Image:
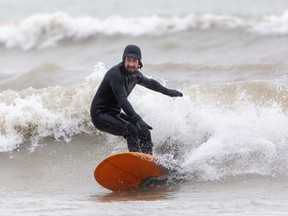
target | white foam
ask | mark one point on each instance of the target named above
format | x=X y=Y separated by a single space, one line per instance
x=47 y=30
x=272 y=25
x=58 y=112
x=248 y=140
x=212 y=140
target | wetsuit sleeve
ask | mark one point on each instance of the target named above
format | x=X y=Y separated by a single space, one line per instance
x=153 y=85
x=118 y=87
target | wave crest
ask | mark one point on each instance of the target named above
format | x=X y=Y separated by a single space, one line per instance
x=58 y=112
x=47 y=30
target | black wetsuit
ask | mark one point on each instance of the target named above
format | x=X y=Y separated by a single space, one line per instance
x=111 y=97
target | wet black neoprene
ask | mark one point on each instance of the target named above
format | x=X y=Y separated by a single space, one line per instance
x=112 y=97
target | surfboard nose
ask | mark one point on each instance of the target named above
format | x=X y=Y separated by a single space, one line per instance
x=126 y=171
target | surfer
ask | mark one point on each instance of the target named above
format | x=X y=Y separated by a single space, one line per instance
x=112 y=97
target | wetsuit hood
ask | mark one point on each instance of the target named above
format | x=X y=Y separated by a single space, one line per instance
x=134 y=51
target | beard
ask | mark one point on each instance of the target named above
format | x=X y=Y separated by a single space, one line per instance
x=131 y=69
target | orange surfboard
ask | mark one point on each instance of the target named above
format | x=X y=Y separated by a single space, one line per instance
x=126 y=170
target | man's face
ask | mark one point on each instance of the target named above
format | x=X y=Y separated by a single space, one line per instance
x=131 y=64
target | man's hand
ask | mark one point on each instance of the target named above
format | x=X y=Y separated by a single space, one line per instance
x=174 y=93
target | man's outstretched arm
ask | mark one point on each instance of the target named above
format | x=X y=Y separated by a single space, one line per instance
x=156 y=86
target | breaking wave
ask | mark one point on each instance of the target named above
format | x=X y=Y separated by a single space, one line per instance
x=47 y=30
x=214 y=132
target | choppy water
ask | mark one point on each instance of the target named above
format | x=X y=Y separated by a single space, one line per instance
x=228 y=133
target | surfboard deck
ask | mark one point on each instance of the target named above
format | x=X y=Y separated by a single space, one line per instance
x=127 y=171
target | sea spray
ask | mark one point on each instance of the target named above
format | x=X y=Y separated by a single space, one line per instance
x=246 y=140
x=59 y=112
x=214 y=132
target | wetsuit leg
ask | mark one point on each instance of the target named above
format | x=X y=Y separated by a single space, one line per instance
x=146 y=144
x=131 y=135
x=120 y=126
